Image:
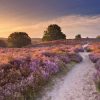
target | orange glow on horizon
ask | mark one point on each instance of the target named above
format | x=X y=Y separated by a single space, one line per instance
x=70 y=25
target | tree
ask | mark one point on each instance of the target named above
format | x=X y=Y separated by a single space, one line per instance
x=78 y=36
x=98 y=37
x=53 y=32
x=19 y=39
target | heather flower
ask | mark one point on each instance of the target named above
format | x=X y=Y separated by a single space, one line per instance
x=34 y=64
x=45 y=74
x=30 y=67
x=94 y=57
x=52 y=67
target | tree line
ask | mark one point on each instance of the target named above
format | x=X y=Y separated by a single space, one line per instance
x=20 y=39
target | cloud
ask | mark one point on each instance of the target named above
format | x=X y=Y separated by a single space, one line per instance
x=71 y=25
x=48 y=9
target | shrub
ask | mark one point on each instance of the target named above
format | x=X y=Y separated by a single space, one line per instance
x=19 y=39
x=94 y=57
x=3 y=43
x=78 y=36
x=75 y=57
x=27 y=70
x=98 y=65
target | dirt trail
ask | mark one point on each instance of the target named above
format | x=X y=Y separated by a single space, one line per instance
x=76 y=85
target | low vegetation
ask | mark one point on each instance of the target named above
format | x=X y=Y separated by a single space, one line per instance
x=3 y=43
x=95 y=58
x=24 y=71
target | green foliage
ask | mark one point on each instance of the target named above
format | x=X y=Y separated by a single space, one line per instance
x=78 y=36
x=28 y=93
x=53 y=32
x=19 y=39
x=98 y=86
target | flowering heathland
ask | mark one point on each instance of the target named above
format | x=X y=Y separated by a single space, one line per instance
x=23 y=71
x=95 y=58
x=94 y=47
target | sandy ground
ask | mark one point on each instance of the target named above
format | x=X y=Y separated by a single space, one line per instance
x=76 y=85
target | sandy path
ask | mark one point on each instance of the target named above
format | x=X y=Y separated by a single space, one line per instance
x=76 y=85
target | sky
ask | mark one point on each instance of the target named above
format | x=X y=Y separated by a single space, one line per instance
x=34 y=16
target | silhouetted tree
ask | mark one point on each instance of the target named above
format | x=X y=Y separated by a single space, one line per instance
x=78 y=36
x=53 y=32
x=19 y=39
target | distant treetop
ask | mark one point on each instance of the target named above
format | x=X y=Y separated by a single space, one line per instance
x=78 y=36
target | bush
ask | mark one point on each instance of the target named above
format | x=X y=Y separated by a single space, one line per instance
x=3 y=43
x=24 y=74
x=53 y=32
x=78 y=36
x=94 y=57
x=75 y=58
x=19 y=39
x=98 y=65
